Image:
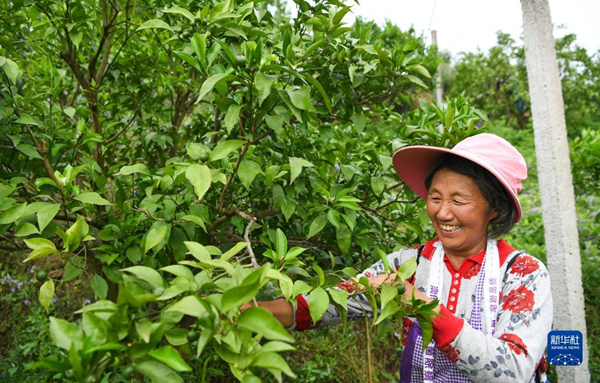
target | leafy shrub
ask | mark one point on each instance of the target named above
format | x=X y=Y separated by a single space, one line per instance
x=186 y=159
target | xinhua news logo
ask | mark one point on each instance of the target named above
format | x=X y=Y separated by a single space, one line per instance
x=565 y=348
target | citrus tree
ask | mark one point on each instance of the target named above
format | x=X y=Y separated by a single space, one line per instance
x=185 y=159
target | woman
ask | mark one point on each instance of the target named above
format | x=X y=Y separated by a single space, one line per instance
x=496 y=306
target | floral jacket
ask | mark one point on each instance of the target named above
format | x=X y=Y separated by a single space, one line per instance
x=516 y=349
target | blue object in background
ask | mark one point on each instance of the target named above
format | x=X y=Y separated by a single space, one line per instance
x=565 y=348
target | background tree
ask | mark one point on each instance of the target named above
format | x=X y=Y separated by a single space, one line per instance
x=183 y=159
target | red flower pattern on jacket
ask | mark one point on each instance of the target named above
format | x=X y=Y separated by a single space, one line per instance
x=450 y=352
x=519 y=300
x=515 y=343
x=524 y=265
x=473 y=271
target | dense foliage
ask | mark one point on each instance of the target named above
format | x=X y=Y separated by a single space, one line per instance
x=496 y=82
x=184 y=159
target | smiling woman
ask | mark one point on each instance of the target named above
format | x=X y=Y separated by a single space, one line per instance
x=496 y=314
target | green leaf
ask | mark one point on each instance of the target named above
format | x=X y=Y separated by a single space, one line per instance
x=333 y=216
x=134 y=254
x=76 y=39
x=69 y=111
x=200 y=178
x=212 y=81
x=407 y=269
x=157 y=233
x=417 y=81
x=199 y=45
x=237 y=296
x=29 y=151
x=340 y=297
x=388 y=293
x=262 y=322
x=147 y=274
x=46 y=214
x=26 y=229
x=92 y=198
x=300 y=287
x=180 y=271
x=320 y=274
x=318 y=303
x=285 y=283
x=300 y=98
x=158 y=372
x=378 y=184
x=46 y=294
x=317 y=225
x=41 y=248
x=198 y=251
x=386 y=162
x=274 y=361
x=281 y=244
x=263 y=84
x=449 y=117
x=420 y=69
x=11 y=69
x=313 y=81
x=343 y=237
x=232 y=117
x=275 y=123
x=247 y=171
x=188 y=59
x=171 y=358
x=390 y=309
x=296 y=165
x=359 y=122
x=195 y=219
x=101 y=305
x=181 y=11
x=39 y=243
x=131 y=169
x=234 y=250
x=64 y=334
x=189 y=305
x=155 y=24
x=99 y=286
x=12 y=214
x=223 y=149
x=26 y=119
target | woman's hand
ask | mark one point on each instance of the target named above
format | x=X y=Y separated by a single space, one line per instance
x=281 y=309
x=380 y=279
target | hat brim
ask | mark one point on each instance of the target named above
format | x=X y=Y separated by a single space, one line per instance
x=413 y=163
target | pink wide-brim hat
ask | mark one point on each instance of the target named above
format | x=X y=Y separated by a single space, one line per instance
x=493 y=153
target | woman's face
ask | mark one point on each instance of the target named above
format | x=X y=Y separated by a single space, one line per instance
x=459 y=213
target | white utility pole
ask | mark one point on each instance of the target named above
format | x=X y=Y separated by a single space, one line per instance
x=555 y=180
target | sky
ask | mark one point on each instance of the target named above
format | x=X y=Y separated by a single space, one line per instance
x=466 y=25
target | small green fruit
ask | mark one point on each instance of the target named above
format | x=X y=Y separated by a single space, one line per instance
x=128 y=372
x=195 y=326
x=159 y=291
x=203 y=156
x=41 y=276
x=241 y=60
x=401 y=288
x=169 y=218
x=91 y=379
x=206 y=321
x=193 y=336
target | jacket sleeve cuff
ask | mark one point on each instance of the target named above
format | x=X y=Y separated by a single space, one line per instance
x=446 y=328
x=303 y=321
